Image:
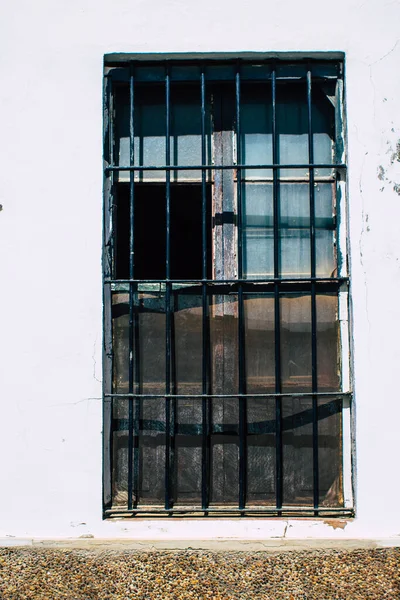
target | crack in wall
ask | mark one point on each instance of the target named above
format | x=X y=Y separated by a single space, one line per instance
x=385 y=55
x=95 y=362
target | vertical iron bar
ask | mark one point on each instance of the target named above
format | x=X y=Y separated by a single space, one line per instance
x=167 y=297
x=113 y=175
x=314 y=382
x=242 y=405
x=205 y=341
x=241 y=336
x=131 y=276
x=203 y=174
x=113 y=269
x=138 y=402
x=108 y=369
x=239 y=176
x=278 y=386
x=174 y=298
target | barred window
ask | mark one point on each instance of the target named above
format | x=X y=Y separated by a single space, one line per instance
x=225 y=377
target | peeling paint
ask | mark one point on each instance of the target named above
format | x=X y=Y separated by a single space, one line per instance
x=391 y=174
x=396 y=155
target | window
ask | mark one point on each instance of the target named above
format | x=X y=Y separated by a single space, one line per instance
x=225 y=288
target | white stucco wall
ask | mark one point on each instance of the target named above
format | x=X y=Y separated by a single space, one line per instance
x=51 y=235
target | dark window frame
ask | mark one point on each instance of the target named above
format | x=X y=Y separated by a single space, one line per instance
x=275 y=285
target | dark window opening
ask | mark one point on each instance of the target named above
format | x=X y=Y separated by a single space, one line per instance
x=186 y=222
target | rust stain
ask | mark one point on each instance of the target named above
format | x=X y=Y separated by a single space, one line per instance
x=336 y=523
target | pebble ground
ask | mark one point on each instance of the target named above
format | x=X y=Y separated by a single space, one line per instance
x=52 y=574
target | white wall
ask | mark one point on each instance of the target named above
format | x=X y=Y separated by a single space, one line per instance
x=51 y=235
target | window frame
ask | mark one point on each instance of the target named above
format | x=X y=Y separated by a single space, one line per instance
x=114 y=71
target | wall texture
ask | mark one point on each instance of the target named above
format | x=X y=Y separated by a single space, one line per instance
x=51 y=235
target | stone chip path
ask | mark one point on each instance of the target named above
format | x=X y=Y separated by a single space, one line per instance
x=77 y=574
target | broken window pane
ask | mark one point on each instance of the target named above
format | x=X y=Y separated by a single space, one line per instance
x=186 y=257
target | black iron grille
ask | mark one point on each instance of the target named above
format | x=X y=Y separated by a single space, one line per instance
x=222 y=384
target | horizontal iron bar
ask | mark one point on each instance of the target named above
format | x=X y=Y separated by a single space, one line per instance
x=291 y=509
x=266 y=77
x=222 y=58
x=233 y=281
x=269 y=395
x=221 y=167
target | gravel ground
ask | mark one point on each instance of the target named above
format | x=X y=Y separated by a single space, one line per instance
x=90 y=574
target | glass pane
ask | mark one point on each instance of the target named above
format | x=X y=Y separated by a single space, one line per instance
x=297 y=451
x=225 y=451
x=328 y=367
x=188 y=450
x=187 y=350
x=186 y=132
x=150 y=136
x=292 y=127
x=296 y=342
x=121 y=149
x=330 y=452
x=150 y=131
x=323 y=123
x=152 y=342
x=148 y=342
x=258 y=248
x=325 y=230
x=258 y=237
x=259 y=317
x=261 y=427
x=152 y=451
x=120 y=452
x=120 y=333
x=256 y=129
x=295 y=249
